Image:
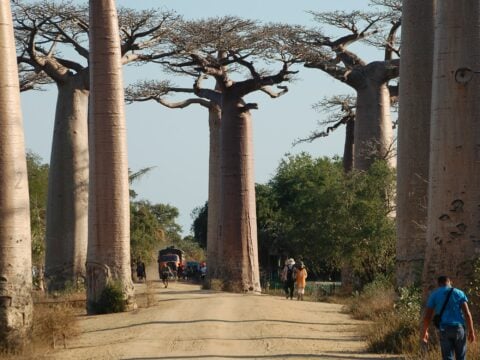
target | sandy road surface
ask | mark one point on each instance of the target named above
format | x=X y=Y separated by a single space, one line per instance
x=188 y=323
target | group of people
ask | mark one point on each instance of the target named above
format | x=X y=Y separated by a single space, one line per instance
x=294 y=274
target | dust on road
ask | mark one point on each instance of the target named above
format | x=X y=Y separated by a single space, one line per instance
x=189 y=323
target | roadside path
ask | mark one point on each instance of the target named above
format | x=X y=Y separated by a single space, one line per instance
x=188 y=323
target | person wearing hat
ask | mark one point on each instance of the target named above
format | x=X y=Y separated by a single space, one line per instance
x=301 y=278
x=288 y=277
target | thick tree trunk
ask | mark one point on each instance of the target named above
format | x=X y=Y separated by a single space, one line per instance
x=414 y=138
x=15 y=241
x=214 y=173
x=108 y=257
x=348 y=149
x=238 y=263
x=454 y=193
x=373 y=124
x=67 y=209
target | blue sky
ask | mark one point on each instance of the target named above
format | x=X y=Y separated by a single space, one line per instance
x=176 y=141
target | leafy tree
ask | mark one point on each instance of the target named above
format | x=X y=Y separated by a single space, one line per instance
x=166 y=215
x=146 y=232
x=37 y=187
x=313 y=211
x=192 y=249
x=200 y=225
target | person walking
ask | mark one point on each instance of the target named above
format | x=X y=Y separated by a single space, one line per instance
x=301 y=279
x=165 y=274
x=448 y=308
x=288 y=278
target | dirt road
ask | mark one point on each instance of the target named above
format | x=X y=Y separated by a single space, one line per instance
x=188 y=323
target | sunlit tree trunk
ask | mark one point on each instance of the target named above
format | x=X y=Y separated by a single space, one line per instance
x=453 y=230
x=67 y=208
x=373 y=124
x=108 y=257
x=414 y=138
x=15 y=240
x=214 y=117
x=239 y=259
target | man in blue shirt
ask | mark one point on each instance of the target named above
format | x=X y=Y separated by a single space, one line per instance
x=452 y=323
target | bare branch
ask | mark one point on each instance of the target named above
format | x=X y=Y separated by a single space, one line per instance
x=273 y=94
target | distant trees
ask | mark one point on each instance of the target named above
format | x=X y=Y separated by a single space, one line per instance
x=159 y=91
x=310 y=209
x=218 y=48
x=37 y=188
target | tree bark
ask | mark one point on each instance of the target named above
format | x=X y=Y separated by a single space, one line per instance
x=67 y=208
x=238 y=263
x=413 y=140
x=214 y=177
x=349 y=147
x=454 y=194
x=15 y=240
x=108 y=256
x=373 y=124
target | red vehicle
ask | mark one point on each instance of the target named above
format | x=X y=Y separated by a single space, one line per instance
x=172 y=257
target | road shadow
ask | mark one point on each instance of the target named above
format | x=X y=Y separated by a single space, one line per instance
x=275 y=356
x=179 y=322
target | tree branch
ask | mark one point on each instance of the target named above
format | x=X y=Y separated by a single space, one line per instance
x=273 y=94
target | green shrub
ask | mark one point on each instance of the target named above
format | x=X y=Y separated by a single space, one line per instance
x=111 y=300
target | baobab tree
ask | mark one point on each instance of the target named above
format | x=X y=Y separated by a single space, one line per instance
x=240 y=43
x=15 y=239
x=54 y=44
x=370 y=80
x=108 y=256
x=453 y=192
x=158 y=91
x=416 y=64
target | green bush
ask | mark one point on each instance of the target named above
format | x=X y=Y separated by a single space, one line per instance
x=111 y=300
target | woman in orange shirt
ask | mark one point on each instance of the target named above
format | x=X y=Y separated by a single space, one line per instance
x=301 y=277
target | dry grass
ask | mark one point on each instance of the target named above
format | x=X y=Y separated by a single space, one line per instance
x=370 y=305
x=150 y=293
x=54 y=323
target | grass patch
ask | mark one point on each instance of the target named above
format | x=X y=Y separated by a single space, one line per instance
x=376 y=299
